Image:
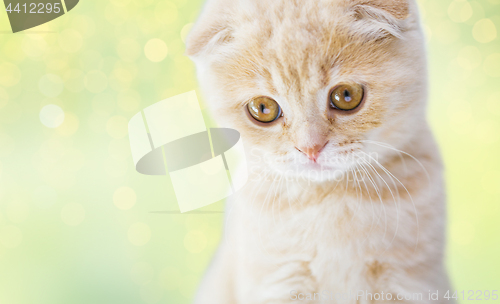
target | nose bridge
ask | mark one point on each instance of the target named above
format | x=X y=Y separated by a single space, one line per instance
x=310 y=132
x=309 y=125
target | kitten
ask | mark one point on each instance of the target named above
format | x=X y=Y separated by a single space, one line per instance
x=345 y=194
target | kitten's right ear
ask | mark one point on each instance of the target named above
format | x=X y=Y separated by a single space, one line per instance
x=399 y=9
x=212 y=29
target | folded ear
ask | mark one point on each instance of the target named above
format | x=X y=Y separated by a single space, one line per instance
x=380 y=17
x=211 y=30
x=399 y=9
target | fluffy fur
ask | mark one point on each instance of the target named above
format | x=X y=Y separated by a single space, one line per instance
x=372 y=219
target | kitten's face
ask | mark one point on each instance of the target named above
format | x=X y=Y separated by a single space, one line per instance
x=308 y=83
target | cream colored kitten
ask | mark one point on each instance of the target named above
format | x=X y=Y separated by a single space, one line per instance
x=345 y=202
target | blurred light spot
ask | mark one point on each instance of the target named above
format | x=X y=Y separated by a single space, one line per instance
x=462 y=233
x=488 y=131
x=119 y=149
x=69 y=126
x=484 y=31
x=70 y=41
x=469 y=58
x=34 y=45
x=128 y=50
x=460 y=11
x=169 y=278
x=195 y=241
x=9 y=75
x=129 y=100
x=156 y=50
x=117 y=127
x=44 y=197
x=478 y=13
x=151 y=293
x=51 y=116
x=17 y=211
x=142 y=273
x=73 y=214
x=185 y=31
x=96 y=81
x=492 y=65
x=51 y=85
x=139 y=234
x=10 y=236
x=124 y=198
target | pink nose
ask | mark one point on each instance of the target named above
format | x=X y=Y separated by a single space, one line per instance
x=312 y=152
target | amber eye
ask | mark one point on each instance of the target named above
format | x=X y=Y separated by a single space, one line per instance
x=347 y=97
x=264 y=109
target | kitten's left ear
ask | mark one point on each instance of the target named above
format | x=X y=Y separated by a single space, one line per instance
x=380 y=16
x=211 y=30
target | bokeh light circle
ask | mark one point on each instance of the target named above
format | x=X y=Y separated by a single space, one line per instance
x=124 y=198
x=70 y=41
x=155 y=50
x=484 y=31
x=51 y=116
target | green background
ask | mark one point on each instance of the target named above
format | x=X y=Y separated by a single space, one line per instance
x=76 y=221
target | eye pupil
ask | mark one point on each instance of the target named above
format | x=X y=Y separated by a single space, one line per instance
x=262 y=107
x=347 y=96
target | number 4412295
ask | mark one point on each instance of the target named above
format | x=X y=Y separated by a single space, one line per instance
x=35 y=8
x=472 y=295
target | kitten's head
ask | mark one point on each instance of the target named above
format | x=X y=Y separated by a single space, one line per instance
x=311 y=84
